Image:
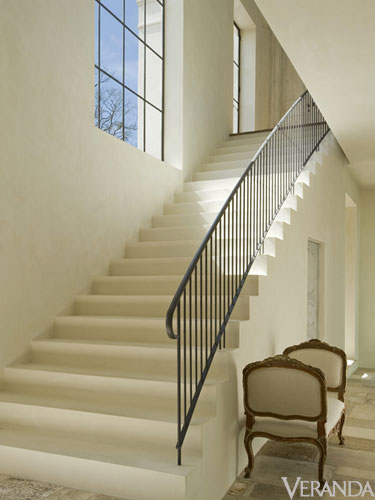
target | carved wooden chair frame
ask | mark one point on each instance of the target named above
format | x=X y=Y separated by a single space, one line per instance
x=284 y=361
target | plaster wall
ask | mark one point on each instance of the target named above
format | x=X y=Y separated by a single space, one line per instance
x=277 y=84
x=367 y=281
x=207 y=78
x=247 y=79
x=70 y=194
x=278 y=315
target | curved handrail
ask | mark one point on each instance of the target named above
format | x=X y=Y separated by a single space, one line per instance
x=212 y=283
x=199 y=252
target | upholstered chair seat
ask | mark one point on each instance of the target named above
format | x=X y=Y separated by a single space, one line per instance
x=300 y=428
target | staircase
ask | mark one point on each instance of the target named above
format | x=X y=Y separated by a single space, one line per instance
x=94 y=406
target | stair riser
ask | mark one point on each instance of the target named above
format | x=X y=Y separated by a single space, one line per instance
x=132 y=267
x=208 y=218
x=224 y=173
x=134 y=332
x=212 y=195
x=173 y=234
x=151 y=369
x=143 y=308
x=165 y=286
x=183 y=220
x=235 y=149
x=193 y=207
x=109 y=427
x=226 y=164
x=99 y=476
x=213 y=185
x=258 y=137
x=138 y=395
x=242 y=155
x=163 y=250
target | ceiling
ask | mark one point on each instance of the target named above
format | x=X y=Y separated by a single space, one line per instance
x=332 y=46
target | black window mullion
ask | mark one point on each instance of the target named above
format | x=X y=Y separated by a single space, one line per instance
x=144 y=75
x=99 y=74
x=123 y=73
x=162 y=84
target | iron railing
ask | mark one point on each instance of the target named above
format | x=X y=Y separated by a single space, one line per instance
x=204 y=301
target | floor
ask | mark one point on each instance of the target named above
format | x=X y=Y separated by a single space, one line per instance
x=354 y=461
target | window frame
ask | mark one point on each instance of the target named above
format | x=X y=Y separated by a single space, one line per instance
x=237 y=66
x=102 y=71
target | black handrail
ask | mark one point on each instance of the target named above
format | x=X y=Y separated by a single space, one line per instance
x=209 y=290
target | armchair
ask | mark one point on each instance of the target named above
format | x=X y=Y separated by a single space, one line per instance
x=286 y=400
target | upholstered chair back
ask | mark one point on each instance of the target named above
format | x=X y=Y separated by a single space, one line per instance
x=331 y=360
x=284 y=388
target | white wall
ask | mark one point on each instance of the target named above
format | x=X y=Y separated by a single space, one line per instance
x=367 y=281
x=278 y=315
x=70 y=194
x=208 y=81
x=331 y=45
x=277 y=83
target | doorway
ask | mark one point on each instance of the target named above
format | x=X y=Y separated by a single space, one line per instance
x=350 y=278
x=313 y=289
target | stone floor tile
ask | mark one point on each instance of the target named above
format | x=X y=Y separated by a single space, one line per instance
x=305 y=452
x=359 y=422
x=20 y=489
x=355 y=443
x=270 y=470
x=365 y=411
x=238 y=488
x=268 y=492
x=105 y=497
x=69 y=494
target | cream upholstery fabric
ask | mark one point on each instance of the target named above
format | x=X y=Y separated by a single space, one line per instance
x=330 y=363
x=285 y=391
x=299 y=428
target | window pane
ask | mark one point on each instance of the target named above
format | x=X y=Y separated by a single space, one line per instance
x=133 y=68
x=235 y=81
x=154 y=78
x=133 y=119
x=134 y=16
x=111 y=45
x=114 y=6
x=236 y=45
x=154 y=25
x=153 y=131
x=111 y=106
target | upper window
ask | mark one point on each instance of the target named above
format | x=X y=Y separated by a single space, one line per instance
x=129 y=71
x=236 y=78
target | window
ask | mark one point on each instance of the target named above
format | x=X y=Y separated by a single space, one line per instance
x=129 y=71
x=236 y=77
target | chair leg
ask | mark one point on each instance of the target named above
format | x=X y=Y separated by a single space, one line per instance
x=341 y=438
x=250 y=454
x=322 y=459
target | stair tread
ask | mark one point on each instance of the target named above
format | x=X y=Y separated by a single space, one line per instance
x=163 y=243
x=111 y=406
x=109 y=342
x=107 y=373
